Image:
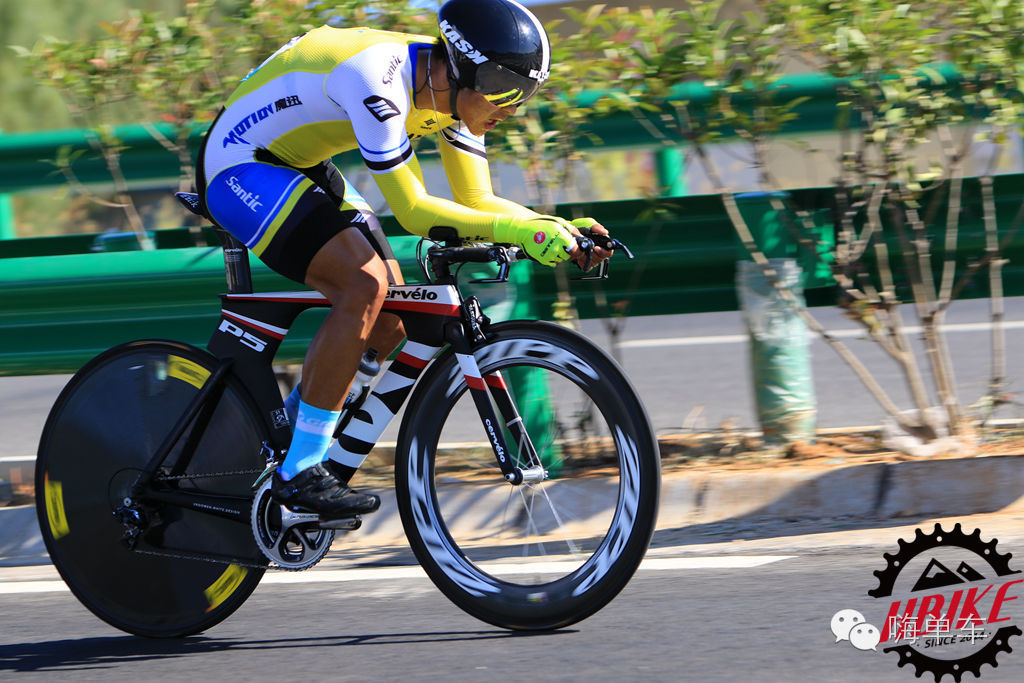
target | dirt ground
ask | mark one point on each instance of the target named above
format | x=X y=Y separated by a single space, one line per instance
x=727 y=450
x=735 y=451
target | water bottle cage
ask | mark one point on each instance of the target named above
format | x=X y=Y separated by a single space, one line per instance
x=350 y=408
x=356 y=401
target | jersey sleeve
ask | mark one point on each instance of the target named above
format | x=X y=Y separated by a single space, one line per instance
x=465 y=163
x=377 y=111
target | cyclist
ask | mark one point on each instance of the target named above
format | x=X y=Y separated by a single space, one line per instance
x=265 y=175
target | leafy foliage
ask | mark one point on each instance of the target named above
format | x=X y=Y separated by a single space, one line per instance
x=905 y=75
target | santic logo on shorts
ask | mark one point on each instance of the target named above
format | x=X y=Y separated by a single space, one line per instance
x=539 y=237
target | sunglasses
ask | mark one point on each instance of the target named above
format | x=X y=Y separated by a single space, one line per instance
x=504 y=87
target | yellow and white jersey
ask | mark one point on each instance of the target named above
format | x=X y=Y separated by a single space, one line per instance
x=333 y=90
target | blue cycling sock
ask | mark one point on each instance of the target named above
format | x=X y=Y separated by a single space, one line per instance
x=291 y=404
x=314 y=430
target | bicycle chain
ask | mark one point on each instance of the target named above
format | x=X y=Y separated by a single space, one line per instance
x=213 y=560
x=206 y=558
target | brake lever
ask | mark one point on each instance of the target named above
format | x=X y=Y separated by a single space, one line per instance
x=606 y=242
x=611 y=244
x=587 y=245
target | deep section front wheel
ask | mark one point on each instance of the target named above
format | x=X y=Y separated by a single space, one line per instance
x=104 y=428
x=549 y=552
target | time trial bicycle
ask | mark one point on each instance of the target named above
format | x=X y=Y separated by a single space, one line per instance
x=153 y=486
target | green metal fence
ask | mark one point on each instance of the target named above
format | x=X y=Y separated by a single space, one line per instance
x=26 y=159
x=61 y=304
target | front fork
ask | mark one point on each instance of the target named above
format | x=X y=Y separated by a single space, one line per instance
x=469 y=332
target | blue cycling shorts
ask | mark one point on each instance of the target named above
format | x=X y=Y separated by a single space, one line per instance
x=285 y=215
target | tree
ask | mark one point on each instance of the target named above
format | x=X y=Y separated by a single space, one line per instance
x=894 y=96
x=693 y=77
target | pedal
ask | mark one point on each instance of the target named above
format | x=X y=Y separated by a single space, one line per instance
x=342 y=524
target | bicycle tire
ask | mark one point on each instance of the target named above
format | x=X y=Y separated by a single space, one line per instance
x=477 y=556
x=104 y=427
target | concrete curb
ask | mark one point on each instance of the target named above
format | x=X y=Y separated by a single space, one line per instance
x=20 y=541
x=18 y=471
x=941 y=488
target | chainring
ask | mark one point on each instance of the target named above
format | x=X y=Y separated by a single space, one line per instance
x=291 y=540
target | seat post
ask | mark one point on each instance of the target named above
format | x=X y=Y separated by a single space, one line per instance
x=236 y=263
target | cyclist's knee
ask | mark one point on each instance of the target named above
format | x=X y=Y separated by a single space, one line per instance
x=370 y=284
x=359 y=292
x=349 y=272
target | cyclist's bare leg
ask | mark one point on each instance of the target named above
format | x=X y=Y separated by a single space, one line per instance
x=388 y=333
x=354 y=279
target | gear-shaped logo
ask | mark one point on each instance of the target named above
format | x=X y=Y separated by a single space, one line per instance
x=923 y=542
x=957 y=667
x=937 y=576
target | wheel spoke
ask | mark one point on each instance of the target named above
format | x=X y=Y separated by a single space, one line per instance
x=524 y=558
x=535 y=520
x=559 y=524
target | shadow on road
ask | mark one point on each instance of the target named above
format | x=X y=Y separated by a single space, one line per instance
x=111 y=651
x=752 y=528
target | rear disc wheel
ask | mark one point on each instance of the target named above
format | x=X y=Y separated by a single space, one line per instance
x=105 y=426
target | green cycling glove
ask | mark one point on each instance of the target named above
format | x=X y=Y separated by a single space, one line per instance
x=583 y=224
x=546 y=239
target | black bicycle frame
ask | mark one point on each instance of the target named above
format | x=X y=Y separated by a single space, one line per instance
x=250 y=331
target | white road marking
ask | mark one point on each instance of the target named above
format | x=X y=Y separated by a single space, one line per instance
x=838 y=334
x=8 y=587
x=392 y=573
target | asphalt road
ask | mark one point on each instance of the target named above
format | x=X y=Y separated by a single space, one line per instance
x=768 y=622
x=692 y=371
x=675 y=621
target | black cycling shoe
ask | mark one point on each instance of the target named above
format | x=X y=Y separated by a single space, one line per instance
x=317 y=490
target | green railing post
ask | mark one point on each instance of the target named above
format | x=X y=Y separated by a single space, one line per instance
x=529 y=386
x=7 y=229
x=671 y=165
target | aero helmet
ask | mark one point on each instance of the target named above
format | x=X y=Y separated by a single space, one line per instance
x=496 y=47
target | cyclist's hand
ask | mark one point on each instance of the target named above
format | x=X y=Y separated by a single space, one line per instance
x=546 y=239
x=586 y=226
